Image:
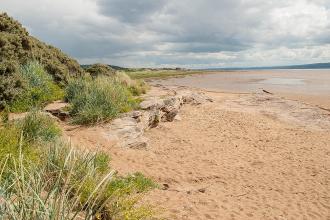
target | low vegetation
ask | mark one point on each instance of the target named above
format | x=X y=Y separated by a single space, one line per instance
x=92 y=99
x=22 y=136
x=136 y=86
x=38 y=86
x=98 y=100
x=159 y=73
x=44 y=178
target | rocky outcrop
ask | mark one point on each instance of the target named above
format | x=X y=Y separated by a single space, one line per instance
x=59 y=110
x=129 y=129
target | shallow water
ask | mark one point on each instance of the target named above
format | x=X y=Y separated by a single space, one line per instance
x=309 y=82
x=283 y=81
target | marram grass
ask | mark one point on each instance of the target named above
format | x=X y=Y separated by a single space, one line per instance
x=48 y=179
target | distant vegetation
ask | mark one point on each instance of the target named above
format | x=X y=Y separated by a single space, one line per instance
x=146 y=73
x=100 y=70
x=159 y=73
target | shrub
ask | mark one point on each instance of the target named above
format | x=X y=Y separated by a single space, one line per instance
x=97 y=100
x=39 y=88
x=99 y=69
x=18 y=48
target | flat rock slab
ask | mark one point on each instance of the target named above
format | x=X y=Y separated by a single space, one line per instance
x=57 y=109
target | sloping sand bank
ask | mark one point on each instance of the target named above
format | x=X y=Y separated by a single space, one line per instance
x=244 y=156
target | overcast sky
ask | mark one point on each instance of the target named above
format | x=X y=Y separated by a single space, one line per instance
x=186 y=33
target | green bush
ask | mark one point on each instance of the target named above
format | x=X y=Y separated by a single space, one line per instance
x=99 y=69
x=18 y=48
x=97 y=100
x=39 y=88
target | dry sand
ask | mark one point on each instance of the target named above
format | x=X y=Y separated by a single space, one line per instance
x=244 y=156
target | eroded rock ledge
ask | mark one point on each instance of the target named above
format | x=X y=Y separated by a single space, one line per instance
x=128 y=130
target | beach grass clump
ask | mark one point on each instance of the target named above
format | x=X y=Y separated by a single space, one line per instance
x=51 y=180
x=39 y=88
x=67 y=184
x=136 y=87
x=39 y=127
x=24 y=135
x=98 y=100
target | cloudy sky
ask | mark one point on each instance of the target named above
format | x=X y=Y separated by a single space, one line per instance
x=185 y=33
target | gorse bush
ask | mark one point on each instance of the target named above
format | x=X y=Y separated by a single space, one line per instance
x=99 y=69
x=18 y=48
x=39 y=88
x=97 y=100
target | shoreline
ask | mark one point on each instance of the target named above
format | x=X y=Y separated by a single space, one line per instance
x=305 y=87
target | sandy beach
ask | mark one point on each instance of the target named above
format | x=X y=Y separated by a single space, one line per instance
x=243 y=156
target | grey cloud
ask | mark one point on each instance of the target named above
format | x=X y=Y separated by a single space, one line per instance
x=130 y=11
x=186 y=32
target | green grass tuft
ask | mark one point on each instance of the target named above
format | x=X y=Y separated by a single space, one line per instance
x=25 y=135
x=68 y=184
x=136 y=87
x=98 y=100
x=39 y=127
x=39 y=88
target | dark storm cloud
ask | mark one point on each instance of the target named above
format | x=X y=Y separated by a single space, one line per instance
x=130 y=11
x=190 y=33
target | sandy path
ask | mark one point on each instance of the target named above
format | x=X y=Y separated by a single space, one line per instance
x=237 y=159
